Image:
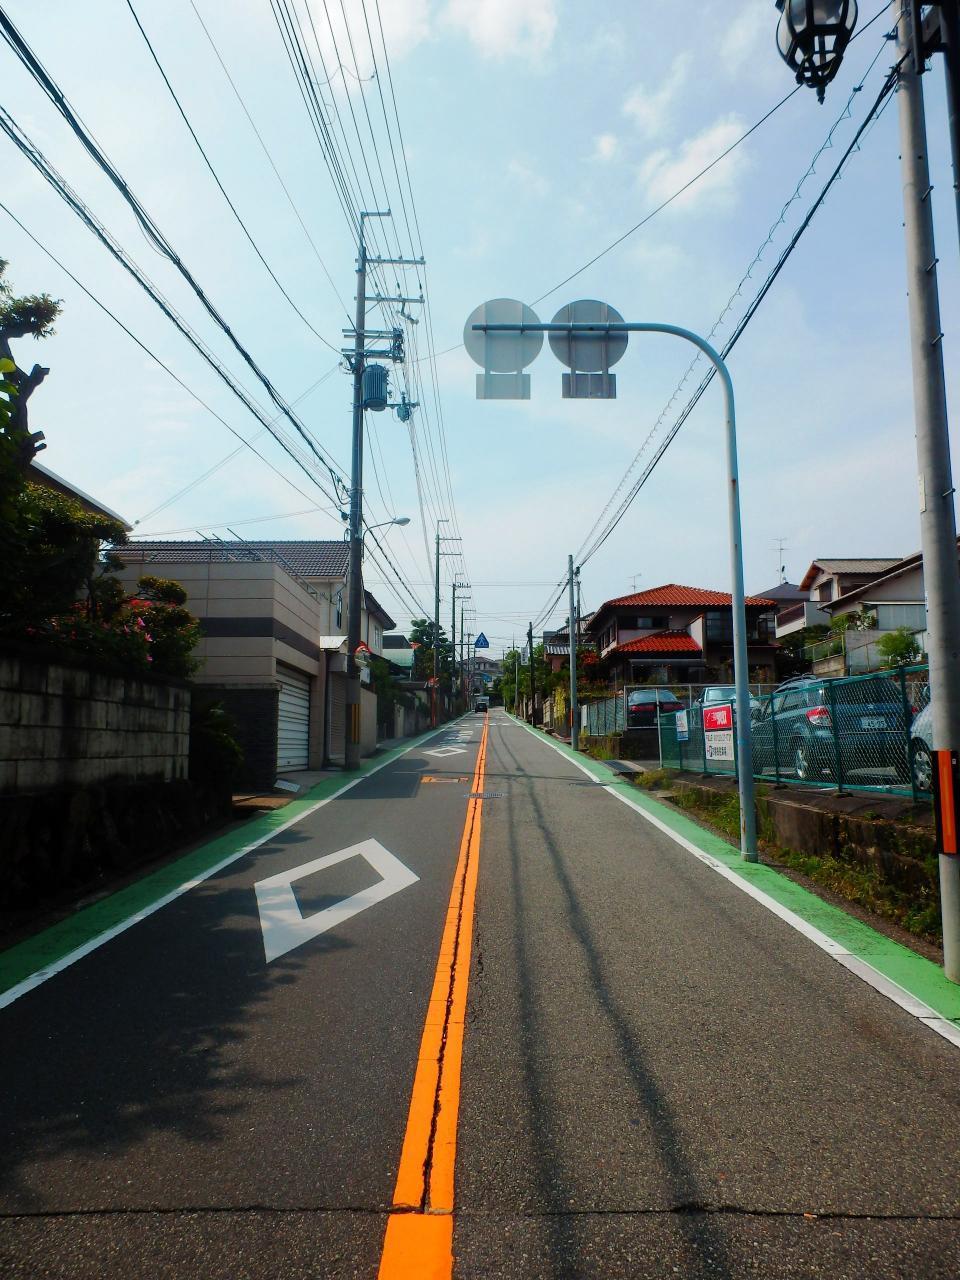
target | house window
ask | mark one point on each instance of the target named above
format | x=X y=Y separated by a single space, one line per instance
x=339 y=610
x=720 y=625
x=651 y=622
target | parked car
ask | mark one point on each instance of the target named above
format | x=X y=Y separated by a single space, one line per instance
x=921 y=749
x=717 y=694
x=645 y=706
x=809 y=726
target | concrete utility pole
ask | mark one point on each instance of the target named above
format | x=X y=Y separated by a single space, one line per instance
x=938 y=532
x=455 y=587
x=351 y=751
x=574 y=727
x=533 y=678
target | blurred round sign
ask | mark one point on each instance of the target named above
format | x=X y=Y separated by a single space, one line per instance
x=502 y=352
x=588 y=352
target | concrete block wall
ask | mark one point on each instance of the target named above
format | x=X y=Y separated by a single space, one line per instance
x=66 y=725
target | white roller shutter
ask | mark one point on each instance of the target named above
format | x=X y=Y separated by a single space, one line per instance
x=293 y=722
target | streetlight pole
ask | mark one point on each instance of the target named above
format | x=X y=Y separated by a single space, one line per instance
x=938 y=531
x=744 y=736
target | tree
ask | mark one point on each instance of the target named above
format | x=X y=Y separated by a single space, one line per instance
x=898 y=648
x=56 y=587
x=29 y=316
x=421 y=634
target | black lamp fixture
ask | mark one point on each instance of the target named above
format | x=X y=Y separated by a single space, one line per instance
x=812 y=36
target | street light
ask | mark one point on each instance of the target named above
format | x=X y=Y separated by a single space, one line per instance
x=812 y=36
x=385 y=524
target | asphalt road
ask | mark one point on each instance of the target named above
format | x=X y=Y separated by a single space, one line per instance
x=662 y=1078
x=659 y=1077
x=174 y=1106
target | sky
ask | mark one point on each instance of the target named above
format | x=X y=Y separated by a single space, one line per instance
x=536 y=133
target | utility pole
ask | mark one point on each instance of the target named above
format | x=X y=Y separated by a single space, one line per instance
x=357 y=356
x=456 y=586
x=533 y=678
x=351 y=751
x=574 y=728
x=938 y=533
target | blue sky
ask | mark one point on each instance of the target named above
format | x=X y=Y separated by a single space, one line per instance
x=536 y=132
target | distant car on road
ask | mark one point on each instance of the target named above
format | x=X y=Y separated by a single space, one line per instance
x=645 y=706
x=481 y=704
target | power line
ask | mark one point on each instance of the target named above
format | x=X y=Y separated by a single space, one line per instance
x=245 y=443
x=23 y=143
x=885 y=90
x=266 y=152
x=216 y=177
x=737 y=291
x=150 y=228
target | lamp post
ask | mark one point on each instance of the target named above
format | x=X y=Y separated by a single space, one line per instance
x=938 y=530
x=612 y=334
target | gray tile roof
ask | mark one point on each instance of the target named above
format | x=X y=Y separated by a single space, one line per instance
x=306 y=559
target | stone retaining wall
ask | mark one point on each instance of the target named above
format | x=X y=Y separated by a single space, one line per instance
x=65 y=725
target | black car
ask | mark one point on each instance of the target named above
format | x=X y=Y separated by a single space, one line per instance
x=645 y=706
x=819 y=730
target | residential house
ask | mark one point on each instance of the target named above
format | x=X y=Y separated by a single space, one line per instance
x=893 y=598
x=48 y=479
x=274 y=622
x=793 y=609
x=672 y=634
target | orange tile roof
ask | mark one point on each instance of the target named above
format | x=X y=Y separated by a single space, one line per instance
x=673 y=594
x=661 y=642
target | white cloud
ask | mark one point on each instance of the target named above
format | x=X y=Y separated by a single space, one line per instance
x=605 y=146
x=532 y=182
x=498 y=28
x=649 y=109
x=665 y=171
x=406 y=23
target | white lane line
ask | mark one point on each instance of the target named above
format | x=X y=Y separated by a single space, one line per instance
x=57 y=966
x=856 y=965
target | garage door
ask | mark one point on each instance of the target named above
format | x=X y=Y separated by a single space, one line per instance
x=293 y=724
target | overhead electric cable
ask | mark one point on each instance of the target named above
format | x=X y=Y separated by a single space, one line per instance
x=270 y=159
x=53 y=92
x=886 y=89
x=245 y=443
x=223 y=191
x=13 y=131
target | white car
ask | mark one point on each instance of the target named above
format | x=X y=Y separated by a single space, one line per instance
x=921 y=748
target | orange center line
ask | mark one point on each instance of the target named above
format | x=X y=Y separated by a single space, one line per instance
x=419 y=1238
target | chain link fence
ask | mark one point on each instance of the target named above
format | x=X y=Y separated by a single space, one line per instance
x=867 y=733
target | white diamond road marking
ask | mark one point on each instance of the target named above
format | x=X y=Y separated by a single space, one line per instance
x=284 y=925
x=447 y=751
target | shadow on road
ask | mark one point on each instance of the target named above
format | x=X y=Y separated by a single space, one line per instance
x=707 y=1254
x=119 y=1067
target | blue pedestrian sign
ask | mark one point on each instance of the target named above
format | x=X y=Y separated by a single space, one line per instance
x=481 y=642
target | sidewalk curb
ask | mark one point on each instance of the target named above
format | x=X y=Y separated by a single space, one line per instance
x=911 y=981
x=32 y=961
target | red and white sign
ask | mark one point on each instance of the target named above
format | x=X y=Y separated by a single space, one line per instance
x=716 y=718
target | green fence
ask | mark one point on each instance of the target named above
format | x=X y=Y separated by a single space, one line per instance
x=856 y=733
x=604 y=716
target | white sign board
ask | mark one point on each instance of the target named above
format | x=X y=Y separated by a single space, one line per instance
x=719 y=744
x=683 y=728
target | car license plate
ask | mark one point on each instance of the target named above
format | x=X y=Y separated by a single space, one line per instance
x=872 y=722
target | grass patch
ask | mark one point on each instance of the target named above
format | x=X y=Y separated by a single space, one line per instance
x=917 y=911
